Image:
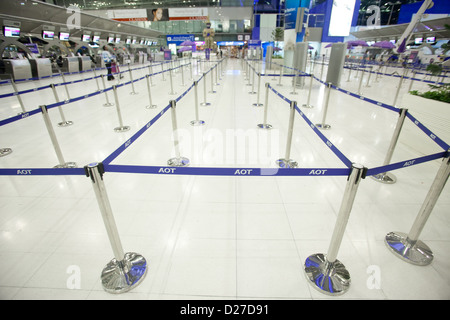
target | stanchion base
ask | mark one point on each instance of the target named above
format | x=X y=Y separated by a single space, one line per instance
x=178 y=162
x=386 y=177
x=417 y=253
x=197 y=122
x=134 y=93
x=328 y=278
x=172 y=93
x=122 y=276
x=122 y=129
x=65 y=123
x=66 y=165
x=205 y=104
x=307 y=106
x=293 y=92
x=323 y=126
x=109 y=104
x=153 y=106
x=5 y=152
x=283 y=163
x=212 y=91
x=264 y=126
x=257 y=104
x=253 y=92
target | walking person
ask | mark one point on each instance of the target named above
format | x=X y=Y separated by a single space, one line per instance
x=107 y=58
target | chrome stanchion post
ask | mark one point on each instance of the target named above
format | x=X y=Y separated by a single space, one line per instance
x=64 y=122
x=212 y=80
x=387 y=177
x=121 y=127
x=171 y=83
x=132 y=82
x=5 y=151
x=150 y=71
x=281 y=75
x=162 y=71
x=16 y=93
x=126 y=270
x=398 y=90
x=107 y=104
x=151 y=105
x=253 y=83
x=182 y=76
x=325 y=109
x=265 y=125
x=196 y=122
x=408 y=247
x=368 y=78
x=51 y=133
x=96 y=79
x=286 y=162
x=204 y=103
x=349 y=72
x=293 y=85
x=307 y=104
x=257 y=104
x=360 y=81
x=324 y=271
x=65 y=85
x=412 y=81
x=178 y=161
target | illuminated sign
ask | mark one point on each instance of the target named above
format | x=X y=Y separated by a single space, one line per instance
x=341 y=18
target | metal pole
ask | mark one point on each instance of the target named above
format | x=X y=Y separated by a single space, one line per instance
x=132 y=82
x=121 y=127
x=51 y=132
x=178 y=161
x=325 y=109
x=281 y=75
x=349 y=72
x=398 y=90
x=307 y=105
x=18 y=96
x=204 y=92
x=107 y=104
x=360 y=81
x=387 y=177
x=65 y=85
x=412 y=80
x=264 y=125
x=96 y=79
x=64 y=122
x=257 y=104
x=150 y=69
x=182 y=76
x=151 y=105
x=125 y=271
x=324 y=271
x=368 y=78
x=408 y=247
x=196 y=122
x=253 y=83
x=212 y=80
x=286 y=162
x=171 y=83
x=162 y=71
x=293 y=84
x=5 y=151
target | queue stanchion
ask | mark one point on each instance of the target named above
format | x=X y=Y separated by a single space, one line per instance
x=281 y=75
x=349 y=72
x=151 y=105
x=64 y=122
x=368 y=78
x=286 y=162
x=412 y=81
x=204 y=103
x=178 y=160
x=265 y=125
x=132 y=82
x=293 y=85
x=171 y=83
x=150 y=71
x=107 y=104
x=121 y=127
x=65 y=85
x=162 y=71
x=96 y=79
x=257 y=104
x=324 y=271
x=307 y=104
x=211 y=71
x=5 y=151
x=253 y=82
x=360 y=81
x=387 y=177
x=196 y=122
x=323 y=125
x=408 y=247
x=398 y=90
x=16 y=93
x=126 y=270
x=182 y=76
x=51 y=133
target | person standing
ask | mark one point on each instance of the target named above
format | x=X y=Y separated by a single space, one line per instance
x=107 y=58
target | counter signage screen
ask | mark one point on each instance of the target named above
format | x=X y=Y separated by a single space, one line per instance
x=64 y=36
x=48 y=35
x=341 y=18
x=86 y=38
x=96 y=38
x=11 y=32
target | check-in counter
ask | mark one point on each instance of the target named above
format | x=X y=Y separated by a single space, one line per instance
x=99 y=62
x=85 y=63
x=41 y=67
x=19 y=69
x=70 y=64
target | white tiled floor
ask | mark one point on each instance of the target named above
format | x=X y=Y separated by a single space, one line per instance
x=214 y=237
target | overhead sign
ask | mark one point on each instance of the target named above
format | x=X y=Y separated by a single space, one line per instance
x=188 y=14
x=128 y=15
x=179 y=38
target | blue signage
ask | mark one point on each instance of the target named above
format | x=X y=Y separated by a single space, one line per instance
x=290 y=13
x=179 y=38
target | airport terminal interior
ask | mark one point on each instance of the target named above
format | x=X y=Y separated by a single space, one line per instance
x=146 y=160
